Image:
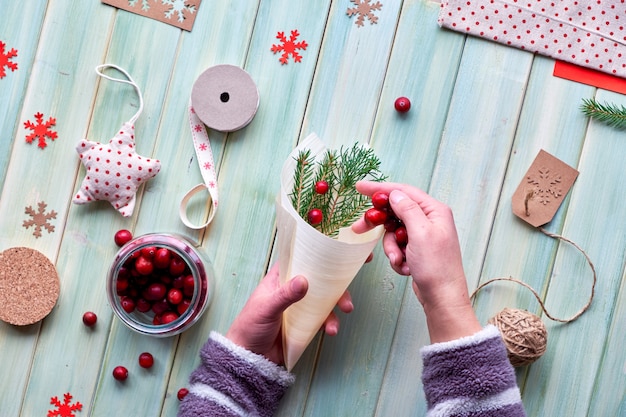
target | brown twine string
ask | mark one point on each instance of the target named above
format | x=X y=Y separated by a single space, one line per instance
x=537 y=296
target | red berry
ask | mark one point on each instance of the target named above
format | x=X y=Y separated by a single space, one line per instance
x=121 y=285
x=160 y=307
x=375 y=216
x=315 y=216
x=143 y=305
x=174 y=296
x=122 y=236
x=162 y=258
x=183 y=306
x=392 y=224
x=380 y=200
x=188 y=285
x=128 y=304
x=168 y=317
x=155 y=291
x=401 y=236
x=321 y=187
x=148 y=252
x=177 y=266
x=146 y=360
x=402 y=104
x=120 y=373
x=90 y=319
x=178 y=282
x=144 y=266
x=182 y=393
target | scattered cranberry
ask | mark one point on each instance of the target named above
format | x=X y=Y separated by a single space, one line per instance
x=321 y=187
x=90 y=319
x=122 y=237
x=315 y=216
x=120 y=373
x=146 y=360
x=376 y=216
x=182 y=393
x=402 y=104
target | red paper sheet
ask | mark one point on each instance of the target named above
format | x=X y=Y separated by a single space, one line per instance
x=590 y=77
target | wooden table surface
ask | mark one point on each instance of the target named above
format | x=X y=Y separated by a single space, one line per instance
x=480 y=114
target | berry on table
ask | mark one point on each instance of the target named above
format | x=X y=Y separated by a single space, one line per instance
x=120 y=373
x=90 y=319
x=321 y=187
x=122 y=237
x=402 y=104
x=146 y=360
x=182 y=393
x=315 y=216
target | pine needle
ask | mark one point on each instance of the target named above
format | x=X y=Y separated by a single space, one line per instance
x=611 y=114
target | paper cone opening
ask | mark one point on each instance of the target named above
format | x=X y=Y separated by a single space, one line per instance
x=329 y=264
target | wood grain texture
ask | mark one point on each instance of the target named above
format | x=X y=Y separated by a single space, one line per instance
x=480 y=113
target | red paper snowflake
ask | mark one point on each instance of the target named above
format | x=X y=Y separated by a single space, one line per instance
x=39 y=219
x=64 y=409
x=364 y=9
x=41 y=130
x=5 y=59
x=289 y=46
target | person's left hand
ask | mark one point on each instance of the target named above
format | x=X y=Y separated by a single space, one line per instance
x=258 y=325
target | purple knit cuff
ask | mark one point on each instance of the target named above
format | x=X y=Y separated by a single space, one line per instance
x=232 y=381
x=471 y=376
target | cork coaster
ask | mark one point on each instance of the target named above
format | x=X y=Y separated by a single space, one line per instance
x=29 y=286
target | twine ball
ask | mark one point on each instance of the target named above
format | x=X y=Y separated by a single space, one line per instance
x=524 y=335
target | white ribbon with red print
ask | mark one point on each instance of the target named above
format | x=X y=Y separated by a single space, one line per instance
x=204 y=154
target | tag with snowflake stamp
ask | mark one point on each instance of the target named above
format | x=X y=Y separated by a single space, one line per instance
x=179 y=13
x=541 y=192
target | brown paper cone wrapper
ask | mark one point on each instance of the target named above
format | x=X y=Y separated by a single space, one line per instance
x=329 y=264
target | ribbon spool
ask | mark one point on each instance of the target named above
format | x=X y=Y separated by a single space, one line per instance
x=226 y=99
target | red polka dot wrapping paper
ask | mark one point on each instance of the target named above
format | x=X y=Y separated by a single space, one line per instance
x=590 y=33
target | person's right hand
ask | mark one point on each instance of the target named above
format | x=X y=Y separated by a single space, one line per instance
x=433 y=257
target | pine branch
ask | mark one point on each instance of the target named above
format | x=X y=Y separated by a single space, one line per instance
x=302 y=180
x=610 y=114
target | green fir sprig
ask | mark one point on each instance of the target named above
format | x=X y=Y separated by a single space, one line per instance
x=342 y=204
x=611 y=114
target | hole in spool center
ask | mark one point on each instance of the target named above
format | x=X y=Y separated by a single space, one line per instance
x=224 y=97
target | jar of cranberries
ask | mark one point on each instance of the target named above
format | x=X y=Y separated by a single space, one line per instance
x=159 y=284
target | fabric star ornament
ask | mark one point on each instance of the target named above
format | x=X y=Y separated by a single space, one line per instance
x=114 y=171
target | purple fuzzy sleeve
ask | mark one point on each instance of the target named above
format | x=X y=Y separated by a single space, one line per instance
x=472 y=377
x=232 y=381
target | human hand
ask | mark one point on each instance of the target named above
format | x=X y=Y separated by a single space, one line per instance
x=433 y=256
x=258 y=325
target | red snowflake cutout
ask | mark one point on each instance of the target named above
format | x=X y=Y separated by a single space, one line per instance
x=41 y=130
x=39 y=219
x=289 y=46
x=64 y=409
x=364 y=9
x=5 y=60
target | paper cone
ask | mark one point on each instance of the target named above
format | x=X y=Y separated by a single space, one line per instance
x=329 y=264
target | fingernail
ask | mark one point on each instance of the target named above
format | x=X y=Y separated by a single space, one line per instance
x=405 y=270
x=298 y=285
x=396 y=196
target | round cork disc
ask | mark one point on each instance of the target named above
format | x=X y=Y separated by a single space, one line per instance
x=29 y=286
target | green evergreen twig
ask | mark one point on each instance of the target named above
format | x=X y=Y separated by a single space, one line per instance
x=611 y=114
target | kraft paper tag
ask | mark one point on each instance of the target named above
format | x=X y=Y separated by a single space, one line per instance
x=541 y=192
x=177 y=13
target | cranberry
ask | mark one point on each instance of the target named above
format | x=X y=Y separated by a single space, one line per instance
x=160 y=307
x=376 y=216
x=162 y=258
x=183 y=306
x=178 y=282
x=121 y=285
x=321 y=187
x=168 y=317
x=122 y=237
x=177 y=266
x=174 y=296
x=144 y=266
x=155 y=291
x=182 y=393
x=402 y=238
x=120 y=373
x=90 y=319
x=315 y=216
x=392 y=224
x=402 y=104
x=188 y=285
x=380 y=200
x=143 y=305
x=148 y=252
x=128 y=304
x=146 y=360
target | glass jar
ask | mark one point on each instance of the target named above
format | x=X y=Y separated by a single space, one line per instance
x=157 y=295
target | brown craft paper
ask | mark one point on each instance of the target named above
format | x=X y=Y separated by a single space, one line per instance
x=541 y=192
x=181 y=13
x=329 y=264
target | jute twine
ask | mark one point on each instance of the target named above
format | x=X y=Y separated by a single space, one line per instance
x=524 y=334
